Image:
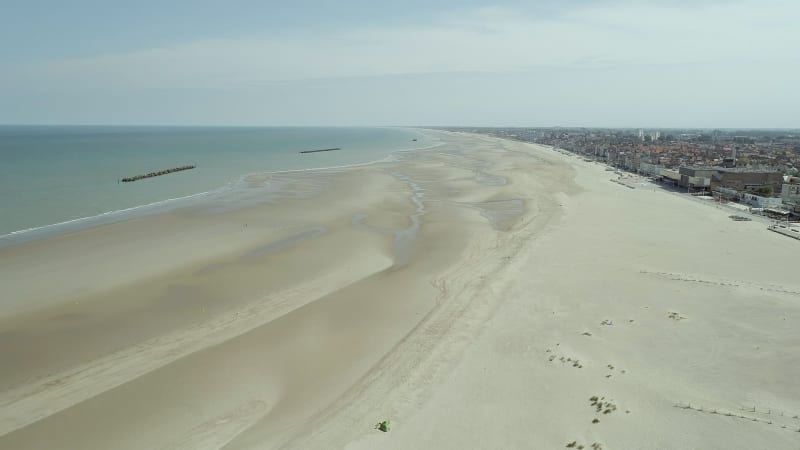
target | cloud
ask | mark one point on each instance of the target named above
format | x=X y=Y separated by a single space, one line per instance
x=483 y=39
x=614 y=63
x=638 y=96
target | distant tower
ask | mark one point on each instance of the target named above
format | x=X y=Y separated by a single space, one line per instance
x=733 y=155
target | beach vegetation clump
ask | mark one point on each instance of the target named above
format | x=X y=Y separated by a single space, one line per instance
x=383 y=426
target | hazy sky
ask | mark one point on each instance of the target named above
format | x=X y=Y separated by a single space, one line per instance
x=656 y=63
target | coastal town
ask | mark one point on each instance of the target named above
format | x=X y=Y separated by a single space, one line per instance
x=758 y=169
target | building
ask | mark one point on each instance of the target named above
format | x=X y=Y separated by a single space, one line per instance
x=790 y=194
x=757 y=201
x=762 y=182
x=695 y=177
x=670 y=176
x=649 y=169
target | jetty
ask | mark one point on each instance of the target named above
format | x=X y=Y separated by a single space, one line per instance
x=321 y=150
x=156 y=174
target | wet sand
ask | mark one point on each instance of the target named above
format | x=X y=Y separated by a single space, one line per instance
x=237 y=325
x=481 y=294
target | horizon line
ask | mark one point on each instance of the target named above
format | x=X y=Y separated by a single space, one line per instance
x=595 y=127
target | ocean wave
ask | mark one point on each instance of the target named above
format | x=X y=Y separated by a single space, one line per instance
x=98 y=219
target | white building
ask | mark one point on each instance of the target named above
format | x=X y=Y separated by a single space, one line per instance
x=649 y=169
x=756 y=201
x=790 y=194
x=671 y=175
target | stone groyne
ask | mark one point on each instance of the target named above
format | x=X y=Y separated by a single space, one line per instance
x=321 y=150
x=156 y=174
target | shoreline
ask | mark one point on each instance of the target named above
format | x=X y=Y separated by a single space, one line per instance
x=278 y=294
x=106 y=217
x=528 y=285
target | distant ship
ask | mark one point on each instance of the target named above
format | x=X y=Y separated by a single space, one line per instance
x=415 y=139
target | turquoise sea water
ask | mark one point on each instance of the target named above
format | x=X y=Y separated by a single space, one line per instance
x=52 y=174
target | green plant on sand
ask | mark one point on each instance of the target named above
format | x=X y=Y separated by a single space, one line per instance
x=383 y=426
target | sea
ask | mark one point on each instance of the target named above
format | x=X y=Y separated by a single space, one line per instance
x=56 y=179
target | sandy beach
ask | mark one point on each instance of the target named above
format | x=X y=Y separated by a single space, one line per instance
x=480 y=294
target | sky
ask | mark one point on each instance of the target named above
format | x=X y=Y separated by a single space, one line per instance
x=602 y=63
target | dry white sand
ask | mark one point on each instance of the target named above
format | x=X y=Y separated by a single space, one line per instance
x=670 y=324
x=531 y=285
